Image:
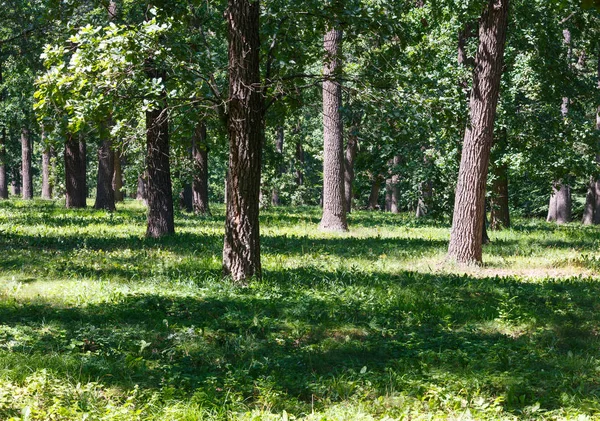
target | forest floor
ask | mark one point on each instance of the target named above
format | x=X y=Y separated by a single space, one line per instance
x=99 y=323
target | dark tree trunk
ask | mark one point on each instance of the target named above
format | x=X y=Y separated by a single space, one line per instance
x=200 y=183
x=591 y=213
x=47 y=186
x=351 y=148
x=334 y=206
x=469 y=207
x=500 y=214
x=590 y=202
x=186 y=198
x=241 y=248
x=159 y=191
x=16 y=181
x=299 y=164
x=105 y=195
x=388 y=195
x=275 y=200
x=117 y=182
x=140 y=192
x=26 y=164
x=374 y=196
x=485 y=239
x=75 y=173
x=394 y=206
x=3 y=178
x=559 y=210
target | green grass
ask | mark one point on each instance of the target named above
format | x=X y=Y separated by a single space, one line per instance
x=99 y=323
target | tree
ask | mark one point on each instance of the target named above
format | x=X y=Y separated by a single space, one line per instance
x=75 y=172
x=241 y=248
x=334 y=207
x=200 y=200
x=469 y=209
x=105 y=194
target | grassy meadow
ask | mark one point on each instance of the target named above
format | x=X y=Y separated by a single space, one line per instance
x=99 y=323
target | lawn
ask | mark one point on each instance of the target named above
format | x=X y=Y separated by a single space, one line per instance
x=99 y=323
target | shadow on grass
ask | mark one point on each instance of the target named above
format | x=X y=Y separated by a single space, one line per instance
x=307 y=334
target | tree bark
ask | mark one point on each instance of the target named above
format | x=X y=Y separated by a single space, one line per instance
x=47 y=186
x=590 y=202
x=467 y=225
x=424 y=199
x=374 y=195
x=117 y=182
x=105 y=195
x=26 y=164
x=3 y=177
x=388 y=195
x=200 y=183
x=559 y=210
x=16 y=181
x=394 y=206
x=275 y=200
x=351 y=148
x=140 y=192
x=159 y=191
x=334 y=206
x=500 y=214
x=299 y=164
x=241 y=248
x=186 y=198
x=75 y=173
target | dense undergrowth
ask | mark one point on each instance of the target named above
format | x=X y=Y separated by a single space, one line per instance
x=99 y=323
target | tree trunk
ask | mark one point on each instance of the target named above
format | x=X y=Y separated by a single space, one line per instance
x=485 y=239
x=186 y=199
x=351 y=148
x=559 y=210
x=334 y=206
x=467 y=225
x=275 y=200
x=16 y=181
x=47 y=186
x=200 y=183
x=26 y=164
x=75 y=173
x=388 y=195
x=299 y=164
x=3 y=178
x=159 y=191
x=140 y=192
x=105 y=195
x=394 y=207
x=424 y=199
x=374 y=196
x=117 y=182
x=241 y=248
x=500 y=214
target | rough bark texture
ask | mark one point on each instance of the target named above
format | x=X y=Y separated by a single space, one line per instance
x=275 y=200
x=47 y=186
x=374 y=195
x=117 y=182
x=26 y=164
x=334 y=206
x=469 y=207
x=560 y=207
x=159 y=191
x=351 y=148
x=75 y=173
x=394 y=206
x=500 y=214
x=200 y=182
x=241 y=248
x=3 y=177
x=105 y=195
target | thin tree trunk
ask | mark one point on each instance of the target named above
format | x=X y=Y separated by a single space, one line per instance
x=275 y=199
x=26 y=164
x=394 y=206
x=500 y=214
x=105 y=195
x=590 y=202
x=159 y=193
x=16 y=181
x=469 y=207
x=351 y=148
x=424 y=199
x=3 y=177
x=388 y=195
x=299 y=164
x=241 y=248
x=117 y=182
x=47 y=186
x=374 y=195
x=140 y=193
x=200 y=182
x=75 y=173
x=334 y=206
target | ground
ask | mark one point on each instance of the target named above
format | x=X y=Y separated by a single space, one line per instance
x=99 y=323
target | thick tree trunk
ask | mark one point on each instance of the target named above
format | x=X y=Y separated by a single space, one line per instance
x=186 y=199
x=394 y=206
x=374 y=195
x=26 y=164
x=241 y=248
x=75 y=172
x=334 y=206
x=105 y=195
x=47 y=186
x=200 y=183
x=117 y=182
x=351 y=148
x=467 y=225
x=159 y=191
x=500 y=214
x=3 y=177
x=275 y=200
x=560 y=207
